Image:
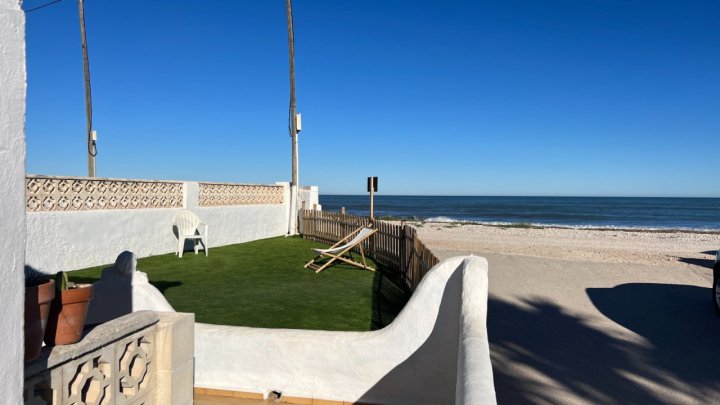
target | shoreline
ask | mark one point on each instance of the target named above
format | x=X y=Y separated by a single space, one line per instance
x=681 y=249
x=525 y=225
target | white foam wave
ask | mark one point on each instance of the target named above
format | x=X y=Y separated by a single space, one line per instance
x=446 y=220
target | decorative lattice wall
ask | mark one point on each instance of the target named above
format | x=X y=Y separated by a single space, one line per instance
x=142 y=358
x=119 y=373
x=81 y=194
x=219 y=194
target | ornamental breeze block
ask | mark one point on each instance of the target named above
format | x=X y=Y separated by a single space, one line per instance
x=77 y=194
x=218 y=194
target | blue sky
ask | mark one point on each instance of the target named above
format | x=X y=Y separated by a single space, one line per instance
x=573 y=97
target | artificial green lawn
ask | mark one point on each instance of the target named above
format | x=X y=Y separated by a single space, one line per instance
x=263 y=284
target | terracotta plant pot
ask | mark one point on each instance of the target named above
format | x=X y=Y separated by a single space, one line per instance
x=37 y=308
x=67 y=315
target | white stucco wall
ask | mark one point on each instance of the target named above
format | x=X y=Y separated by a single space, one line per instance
x=72 y=240
x=12 y=198
x=310 y=195
x=414 y=360
x=474 y=383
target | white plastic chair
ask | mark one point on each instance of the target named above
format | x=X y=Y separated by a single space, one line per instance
x=188 y=226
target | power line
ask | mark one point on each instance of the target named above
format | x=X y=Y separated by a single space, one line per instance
x=43 y=6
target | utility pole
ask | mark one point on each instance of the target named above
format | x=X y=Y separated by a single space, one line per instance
x=293 y=121
x=91 y=137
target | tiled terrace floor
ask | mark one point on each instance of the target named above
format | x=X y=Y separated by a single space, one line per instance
x=201 y=399
x=214 y=400
x=206 y=396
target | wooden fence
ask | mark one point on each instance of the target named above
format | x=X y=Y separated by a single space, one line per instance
x=395 y=246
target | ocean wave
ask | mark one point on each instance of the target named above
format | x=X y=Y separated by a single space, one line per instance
x=442 y=219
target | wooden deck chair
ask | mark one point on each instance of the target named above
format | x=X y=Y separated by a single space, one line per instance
x=340 y=249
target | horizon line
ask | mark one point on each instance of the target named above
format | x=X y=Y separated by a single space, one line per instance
x=516 y=195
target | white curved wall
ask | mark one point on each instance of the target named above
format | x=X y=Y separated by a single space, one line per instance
x=435 y=352
x=12 y=198
x=474 y=370
x=412 y=361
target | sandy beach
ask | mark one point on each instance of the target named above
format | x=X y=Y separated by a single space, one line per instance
x=685 y=249
x=587 y=316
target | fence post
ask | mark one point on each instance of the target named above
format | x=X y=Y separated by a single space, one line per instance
x=301 y=221
x=403 y=266
x=416 y=262
x=401 y=250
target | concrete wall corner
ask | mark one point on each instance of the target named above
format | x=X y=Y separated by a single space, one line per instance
x=12 y=198
x=175 y=358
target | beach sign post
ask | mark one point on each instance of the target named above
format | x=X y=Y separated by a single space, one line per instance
x=372 y=187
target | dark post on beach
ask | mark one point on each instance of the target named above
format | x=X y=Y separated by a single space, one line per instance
x=91 y=135
x=372 y=187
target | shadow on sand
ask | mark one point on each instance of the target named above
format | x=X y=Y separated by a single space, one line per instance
x=677 y=362
x=707 y=263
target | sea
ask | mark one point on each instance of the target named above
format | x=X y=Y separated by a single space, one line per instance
x=637 y=213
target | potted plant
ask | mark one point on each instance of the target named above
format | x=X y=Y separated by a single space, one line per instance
x=67 y=312
x=39 y=292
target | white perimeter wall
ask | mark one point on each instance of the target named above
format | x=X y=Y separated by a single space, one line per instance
x=12 y=198
x=61 y=240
